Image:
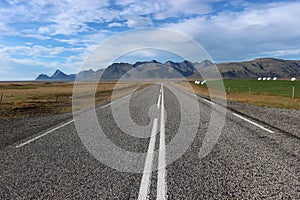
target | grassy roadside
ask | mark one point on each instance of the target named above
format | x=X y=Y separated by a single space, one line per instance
x=272 y=94
x=48 y=98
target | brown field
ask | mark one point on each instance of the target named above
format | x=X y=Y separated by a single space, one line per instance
x=264 y=100
x=48 y=98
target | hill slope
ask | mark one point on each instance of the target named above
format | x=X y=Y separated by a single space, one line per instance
x=261 y=67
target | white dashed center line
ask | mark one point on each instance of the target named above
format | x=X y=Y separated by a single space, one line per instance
x=146 y=180
x=147 y=173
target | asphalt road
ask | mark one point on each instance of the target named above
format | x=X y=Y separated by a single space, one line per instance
x=59 y=163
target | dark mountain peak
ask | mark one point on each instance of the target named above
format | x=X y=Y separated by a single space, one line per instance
x=90 y=70
x=186 y=61
x=119 y=64
x=145 y=62
x=43 y=77
x=204 y=63
x=59 y=75
x=58 y=72
x=169 y=62
x=84 y=75
x=207 y=62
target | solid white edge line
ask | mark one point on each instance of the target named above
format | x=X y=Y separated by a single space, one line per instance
x=251 y=122
x=42 y=135
x=194 y=95
x=239 y=116
x=146 y=179
x=212 y=103
x=33 y=139
x=105 y=105
x=161 y=177
x=158 y=101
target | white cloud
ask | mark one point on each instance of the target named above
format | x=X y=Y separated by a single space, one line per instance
x=27 y=62
x=71 y=17
x=165 y=9
x=126 y=2
x=148 y=53
x=86 y=40
x=245 y=34
x=36 y=36
x=60 y=17
x=284 y=52
x=115 y=24
x=138 y=22
x=43 y=29
x=183 y=7
x=37 y=50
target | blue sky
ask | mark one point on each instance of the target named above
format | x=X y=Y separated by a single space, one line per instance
x=40 y=36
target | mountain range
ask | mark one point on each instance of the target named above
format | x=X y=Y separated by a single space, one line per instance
x=260 y=67
x=57 y=76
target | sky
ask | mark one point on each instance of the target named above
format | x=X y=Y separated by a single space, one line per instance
x=40 y=36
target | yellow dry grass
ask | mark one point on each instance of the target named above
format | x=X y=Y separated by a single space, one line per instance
x=42 y=98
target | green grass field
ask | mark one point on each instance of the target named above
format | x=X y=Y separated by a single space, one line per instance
x=276 y=88
x=272 y=94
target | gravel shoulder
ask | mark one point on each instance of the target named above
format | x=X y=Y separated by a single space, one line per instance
x=284 y=119
x=17 y=129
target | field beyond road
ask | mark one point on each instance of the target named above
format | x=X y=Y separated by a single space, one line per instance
x=273 y=94
x=48 y=98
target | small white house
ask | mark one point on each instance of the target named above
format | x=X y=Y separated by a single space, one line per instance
x=259 y=79
x=275 y=78
x=293 y=79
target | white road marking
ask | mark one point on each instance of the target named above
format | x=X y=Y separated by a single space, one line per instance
x=251 y=122
x=161 y=178
x=212 y=103
x=126 y=96
x=33 y=139
x=239 y=116
x=146 y=180
x=158 y=102
x=105 y=105
x=189 y=93
x=194 y=95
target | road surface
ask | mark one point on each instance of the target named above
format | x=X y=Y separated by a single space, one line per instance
x=244 y=163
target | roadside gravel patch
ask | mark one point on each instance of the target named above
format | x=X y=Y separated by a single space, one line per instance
x=287 y=122
x=16 y=129
x=285 y=119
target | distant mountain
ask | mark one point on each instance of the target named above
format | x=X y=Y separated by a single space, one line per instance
x=43 y=77
x=57 y=76
x=154 y=70
x=261 y=67
x=85 y=74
